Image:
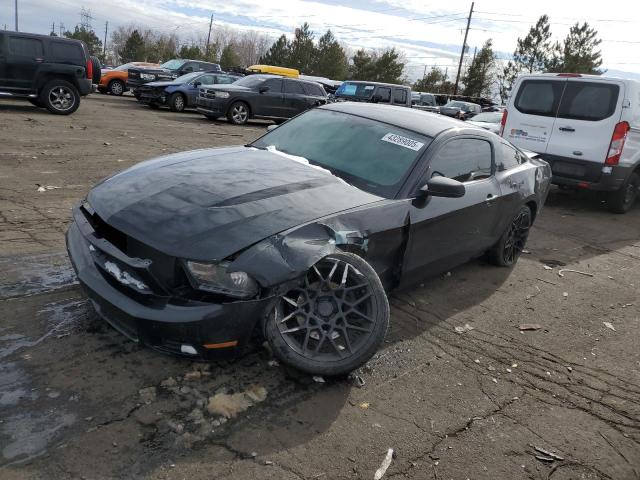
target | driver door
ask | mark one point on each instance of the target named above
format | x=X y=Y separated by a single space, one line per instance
x=446 y=232
x=194 y=87
x=270 y=103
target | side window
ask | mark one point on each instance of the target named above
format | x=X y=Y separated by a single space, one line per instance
x=274 y=84
x=225 y=79
x=509 y=157
x=588 y=101
x=539 y=97
x=67 y=53
x=313 y=89
x=292 y=87
x=205 y=80
x=25 y=47
x=385 y=95
x=465 y=160
x=399 y=96
x=187 y=68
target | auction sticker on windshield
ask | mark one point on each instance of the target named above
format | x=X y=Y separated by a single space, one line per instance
x=402 y=141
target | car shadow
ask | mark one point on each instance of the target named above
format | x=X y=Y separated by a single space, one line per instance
x=23 y=108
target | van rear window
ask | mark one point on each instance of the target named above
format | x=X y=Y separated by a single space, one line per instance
x=591 y=101
x=539 y=97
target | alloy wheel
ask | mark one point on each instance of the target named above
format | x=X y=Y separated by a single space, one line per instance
x=178 y=103
x=517 y=236
x=331 y=315
x=239 y=113
x=61 y=98
x=116 y=88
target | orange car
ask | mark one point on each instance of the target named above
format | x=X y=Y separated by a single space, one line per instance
x=115 y=81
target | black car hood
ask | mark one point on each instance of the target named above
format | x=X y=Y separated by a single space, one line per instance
x=209 y=204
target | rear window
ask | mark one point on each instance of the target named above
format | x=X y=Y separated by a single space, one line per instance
x=25 y=47
x=313 y=89
x=65 y=52
x=590 y=101
x=539 y=97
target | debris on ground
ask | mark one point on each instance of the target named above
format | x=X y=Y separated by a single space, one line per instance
x=529 y=326
x=44 y=188
x=230 y=405
x=195 y=375
x=364 y=405
x=565 y=294
x=147 y=395
x=273 y=363
x=563 y=270
x=318 y=379
x=546 y=454
x=465 y=328
x=547 y=267
x=385 y=465
x=609 y=325
x=359 y=381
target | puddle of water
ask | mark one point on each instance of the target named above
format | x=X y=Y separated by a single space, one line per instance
x=33 y=274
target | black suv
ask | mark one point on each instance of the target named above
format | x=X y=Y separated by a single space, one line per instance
x=50 y=72
x=169 y=70
x=260 y=96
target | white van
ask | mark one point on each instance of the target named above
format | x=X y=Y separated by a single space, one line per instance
x=587 y=127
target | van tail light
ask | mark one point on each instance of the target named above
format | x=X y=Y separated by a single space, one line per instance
x=503 y=121
x=89 y=68
x=617 y=143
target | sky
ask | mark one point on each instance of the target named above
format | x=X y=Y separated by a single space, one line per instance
x=429 y=33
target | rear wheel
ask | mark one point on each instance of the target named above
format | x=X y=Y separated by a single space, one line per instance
x=176 y=102
x=60 y=97
x=334 y=320
x=506 y=252
x=622 y=200
x=116 y=87
x=238 y=113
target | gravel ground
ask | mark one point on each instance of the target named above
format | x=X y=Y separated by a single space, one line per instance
x=77 y=400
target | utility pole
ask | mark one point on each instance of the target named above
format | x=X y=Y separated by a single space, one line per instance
x=209 y=38
x=104 y=45
x=464 y=46
x=16 y=15
x=53 y=28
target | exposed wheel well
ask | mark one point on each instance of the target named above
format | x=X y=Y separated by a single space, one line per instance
x=43 y=80
x=533 y=206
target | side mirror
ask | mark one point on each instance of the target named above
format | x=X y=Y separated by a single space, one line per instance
x=272 y=127
x=197 y=84
x=263 y=89
x=443 y=187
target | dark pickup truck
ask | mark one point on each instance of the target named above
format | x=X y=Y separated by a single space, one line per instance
x=168 y=71
x=49 y=72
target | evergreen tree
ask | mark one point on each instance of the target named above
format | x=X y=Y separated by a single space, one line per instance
x=580 y=52
x=87 y=36
x=191 y=52
x=479 y=77
x=389 y=67
x=431 y=82
x=302 y=51
x=133 y=49
x=331 y=60
x=278 y=54
x=533 y=50
x=362 y=66
x=229 y=57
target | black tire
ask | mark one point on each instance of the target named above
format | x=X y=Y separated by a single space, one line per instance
x=116 y=87
x=36 y=102
x=506 y=252
x=60 y=97
x=177 y=102
x=622 y=200
x=97 y=70
x=333 y=321
x=239 y=113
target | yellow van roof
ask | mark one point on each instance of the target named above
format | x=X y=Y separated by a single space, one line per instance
x=287 y=72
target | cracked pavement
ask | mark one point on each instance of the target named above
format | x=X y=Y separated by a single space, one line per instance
x=77 y=400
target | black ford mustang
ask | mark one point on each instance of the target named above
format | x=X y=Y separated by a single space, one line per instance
x=298 y=235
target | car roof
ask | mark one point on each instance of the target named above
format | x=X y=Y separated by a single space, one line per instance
x=363 y=82
x=425 y=123
x=41 y=37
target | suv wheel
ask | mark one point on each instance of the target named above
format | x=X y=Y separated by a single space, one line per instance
x=176 y=102
x=622 y=200
x=238 y=113
x=60 y=97
x=116 y=87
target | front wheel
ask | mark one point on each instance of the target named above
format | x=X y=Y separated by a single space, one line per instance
x=238 y=113
x=506 y=252
x=333 y=321
x=116 y=87
x=60 y=97
x=622 y=200
x=176 y=102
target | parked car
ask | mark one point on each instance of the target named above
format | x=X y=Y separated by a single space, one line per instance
x=460 y=110
x=487 y=120
x=274 y=70
x=587 y=127
x=424 y=101
x=114 y=80
x=330 y=86
x=182 y=92
x=260 y=96
x=49 y=72
x=374 y=92
x=167 y=71
x=297 y=235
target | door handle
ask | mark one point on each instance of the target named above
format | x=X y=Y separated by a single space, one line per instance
x=567 y=129
x=490 y=199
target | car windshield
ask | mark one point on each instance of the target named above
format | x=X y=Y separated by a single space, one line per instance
x=173 y=64
x=358 y=90
x=488 y=117
x=126 y=66
x=374 y=156
x=187 y=77
x=250 y=81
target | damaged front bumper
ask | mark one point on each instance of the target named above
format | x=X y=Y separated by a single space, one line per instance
x=170 y=324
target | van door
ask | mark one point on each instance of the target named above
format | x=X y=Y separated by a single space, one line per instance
x=532 y=112
x=588 y=113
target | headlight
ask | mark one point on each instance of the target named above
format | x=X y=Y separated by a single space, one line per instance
x=222 y=94
x=147 y=76
x=213 y=277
